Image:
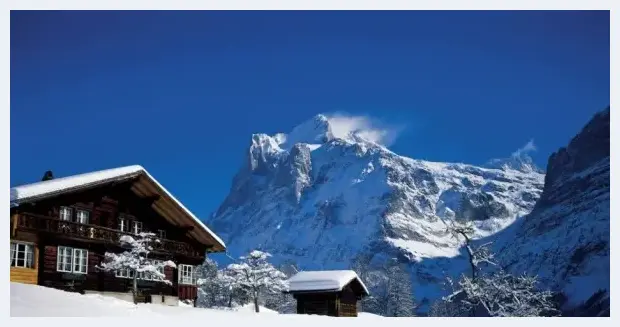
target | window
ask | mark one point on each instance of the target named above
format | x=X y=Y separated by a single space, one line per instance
x=127 y=273
x=80 y=262
x=137 y=227
x=123 y=224
x=65 y=213
x=22 y=255
x=72 y=260
x=82 y=216
x=124 y=273
x=162 y=233
x=186 y=275
x=64 y=259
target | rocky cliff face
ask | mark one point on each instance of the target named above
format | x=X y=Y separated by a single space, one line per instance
x=326 y=199
x=565 y=239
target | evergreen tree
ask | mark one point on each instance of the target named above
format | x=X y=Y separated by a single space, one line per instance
x=279 y=301
x=400 y=301
x=209 y=286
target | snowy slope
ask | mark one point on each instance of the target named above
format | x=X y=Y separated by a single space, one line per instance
x=326 y=196
x=565 y=240
x=39 y=301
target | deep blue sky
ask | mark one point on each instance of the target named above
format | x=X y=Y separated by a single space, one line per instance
x=181 y=92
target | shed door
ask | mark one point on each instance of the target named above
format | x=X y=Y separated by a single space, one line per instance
x=315 y=307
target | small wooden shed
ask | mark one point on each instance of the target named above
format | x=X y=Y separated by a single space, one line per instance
x=328 y=293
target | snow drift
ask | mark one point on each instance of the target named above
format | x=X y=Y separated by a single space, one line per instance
x=39 y=301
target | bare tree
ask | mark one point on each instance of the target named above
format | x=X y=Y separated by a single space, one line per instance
x=497 y=294
x=476 y=255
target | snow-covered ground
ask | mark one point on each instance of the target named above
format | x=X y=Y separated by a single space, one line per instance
x=39 y=301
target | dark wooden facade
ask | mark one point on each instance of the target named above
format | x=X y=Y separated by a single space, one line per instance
x=342 y=303
x=38 y=223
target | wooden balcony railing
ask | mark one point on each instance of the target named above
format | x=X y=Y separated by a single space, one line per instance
x=26 y=221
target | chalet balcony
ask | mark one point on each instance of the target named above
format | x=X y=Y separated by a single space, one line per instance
x=93 y=233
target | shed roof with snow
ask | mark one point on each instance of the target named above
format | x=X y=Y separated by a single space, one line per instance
x=143 y=185
x=325 y=281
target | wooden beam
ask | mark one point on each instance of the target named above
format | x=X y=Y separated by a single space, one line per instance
x=149 y=200
x=15 y=218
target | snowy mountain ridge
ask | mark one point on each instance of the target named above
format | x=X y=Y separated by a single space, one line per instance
x=566 y=237
x=329 y=195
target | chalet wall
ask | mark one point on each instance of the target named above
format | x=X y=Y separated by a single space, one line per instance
x=188 y=292
x=24 y=275
x=106 y=205
x=95 y=279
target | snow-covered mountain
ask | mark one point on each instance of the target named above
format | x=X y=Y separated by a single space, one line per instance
x=328 y=196
x=565 y=239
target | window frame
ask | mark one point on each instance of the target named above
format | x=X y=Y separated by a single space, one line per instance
x=122 y=224
x=127 y=273
x=136 y=227
x=61 y=254
x=183 y=277
x=83 y=256
x=64 y=209
x=62 y=264
x=78 y=219
x=28 y=251
x=161 y=233
x=124 y=273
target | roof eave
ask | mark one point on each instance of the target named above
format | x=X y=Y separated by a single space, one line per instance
x=31 y=199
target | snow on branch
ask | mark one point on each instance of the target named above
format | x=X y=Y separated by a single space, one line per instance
x=257 y=275
x=134 y=260
x=504 y=295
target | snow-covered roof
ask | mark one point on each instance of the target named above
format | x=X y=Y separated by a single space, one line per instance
x=25 y=193
x=44 y=189
x=326 y=280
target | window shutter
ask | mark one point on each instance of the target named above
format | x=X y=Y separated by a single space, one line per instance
x=12 y=252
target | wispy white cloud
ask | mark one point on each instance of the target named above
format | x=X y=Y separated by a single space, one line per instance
x=371 y=129
x=527 y=148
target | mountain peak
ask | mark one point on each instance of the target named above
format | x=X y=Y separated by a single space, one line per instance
x=517 y=161
x=316 y=130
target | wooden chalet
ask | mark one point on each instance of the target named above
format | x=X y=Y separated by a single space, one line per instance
x=328 y=293
x=61 y=229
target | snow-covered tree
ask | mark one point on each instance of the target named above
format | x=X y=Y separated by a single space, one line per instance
x=135 y=261
x=377 y=281
x=233 y=291
x=257 y=275
x=492 y=292
x=503 y=295
x=283 y=302
x=209 y=286
x=400 y=301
